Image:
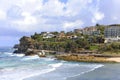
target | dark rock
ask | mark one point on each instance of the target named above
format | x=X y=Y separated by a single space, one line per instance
x=25 y=44
x=27 y=53
x=16 y=46
x=17 y=51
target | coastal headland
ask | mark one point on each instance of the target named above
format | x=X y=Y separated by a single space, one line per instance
x=84 y=45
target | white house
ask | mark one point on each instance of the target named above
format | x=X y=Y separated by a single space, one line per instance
x=48 y=35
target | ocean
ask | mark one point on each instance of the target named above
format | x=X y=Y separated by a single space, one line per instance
x=20 y=67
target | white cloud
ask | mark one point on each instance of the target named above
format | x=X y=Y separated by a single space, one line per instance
x=2 y=15
x=53 y=8
x=75 y=7
x=115 y=18
x=71 y=25
x=29 y=5
x=96 y=13
x=24 y=24
x=115 y=12
x=28 y=20
x=97 y=16
x=32 y=15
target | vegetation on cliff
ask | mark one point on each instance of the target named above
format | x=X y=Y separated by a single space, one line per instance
x=69 y=42
x=110 y=47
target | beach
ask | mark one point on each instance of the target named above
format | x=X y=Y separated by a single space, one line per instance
x=116 y=59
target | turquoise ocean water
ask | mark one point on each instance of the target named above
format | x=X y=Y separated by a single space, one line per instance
x=20 y=67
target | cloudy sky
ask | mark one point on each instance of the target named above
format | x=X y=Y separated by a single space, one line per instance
x=24 y=17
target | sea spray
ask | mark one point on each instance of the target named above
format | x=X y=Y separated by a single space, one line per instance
x=18 y=55
x=20 y=74
x=30 y=57
x=56 y=65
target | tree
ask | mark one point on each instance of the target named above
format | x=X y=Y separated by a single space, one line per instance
x=83 y=43
x=69 y=47
x=101 y=28
x=37 y=37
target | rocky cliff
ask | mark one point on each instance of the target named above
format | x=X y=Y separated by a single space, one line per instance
x=26 y=43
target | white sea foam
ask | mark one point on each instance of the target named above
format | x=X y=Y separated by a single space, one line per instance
x=63 y=61
x=96 y=67
x=93 y=67
x=48 y=59
x=70 y=65
x=30 y=57
x=21 y=74
x=56 y=65
x=6 y=69
x=39 y=73
x=18 y=55
x=8 y=53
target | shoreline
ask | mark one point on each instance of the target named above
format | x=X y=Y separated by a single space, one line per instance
x=88 y=58
x=97 y=58
x=116 y=59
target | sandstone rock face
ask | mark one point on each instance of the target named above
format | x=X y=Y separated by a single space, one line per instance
x=83 y=58
x=25 y=44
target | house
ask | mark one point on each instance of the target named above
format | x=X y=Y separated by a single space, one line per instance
x=112 y=33
x=72 y=37
x=43 y=33
x=48 y=35
x=61 y=34
x=78 y=30
x=90 y=31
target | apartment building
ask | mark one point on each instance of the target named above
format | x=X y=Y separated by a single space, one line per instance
x=112 y=33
